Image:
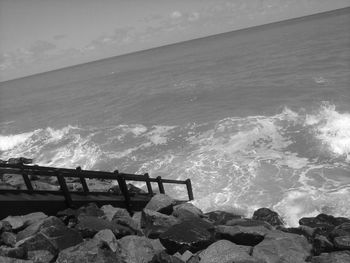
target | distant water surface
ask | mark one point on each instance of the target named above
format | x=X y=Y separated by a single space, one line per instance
x=257 y=117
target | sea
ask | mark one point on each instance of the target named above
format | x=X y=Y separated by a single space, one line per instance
x=255 y=118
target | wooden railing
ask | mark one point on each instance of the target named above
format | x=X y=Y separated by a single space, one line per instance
x=62 y=173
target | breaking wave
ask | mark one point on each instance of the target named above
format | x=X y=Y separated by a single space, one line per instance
x=294 y=162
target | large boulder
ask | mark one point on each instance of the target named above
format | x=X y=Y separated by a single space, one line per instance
x=161 y=203
x=240 y=235
x=40 y=256
x=221 y=217
x=192 y=235
x=342 y=242
x=8 y=238
x=139 y=249
x=278 y=247
x=246 y=222
x=163 y=257
x=88 y=226
x=111 y=212
x=13 y=260
x=334 y=257
x=107 y=238
x=18 y=222
x=324 y=223
x=90 y=210
x=269 y=216
x=13 y=252
x=90 y=251
x=187 y=211
x=341 y=230
x=226 y=251
x=155 y=223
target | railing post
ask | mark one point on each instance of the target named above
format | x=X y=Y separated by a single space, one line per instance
x=160 y=185
x=82 y=180
x=124 y=189
x=148 y=183
x=189 y=189
x=64 y=188
x=26 y=179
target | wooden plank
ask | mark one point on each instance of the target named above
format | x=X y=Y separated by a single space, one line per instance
x=148 y=183
x=64 y=188
x=82 y=180
x=189 y=189
x=124 y=189
x=160 y=185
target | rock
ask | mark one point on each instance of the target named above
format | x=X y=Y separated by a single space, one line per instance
x=155 y=223
x=322 y=244
x=163 y=257
x=8 y=238
x=88 y=226
x=187 y=211
x=127 y=224
x=110 y=212
x=106 y=237
x=192 y=235
x=226 y=251
x=247 y=236
x=278 y=246
x=341 y=230
x=248 y=223
x=323 y=222
x=40 y=256
x=137 y=219
x=334 y=257
x=36 y=242
x=17 y=222
x=133 y=190
x=90 y=210
x=16 y=252
x=161 y=203
x=13 y=260
x=185 y=256
x=139 y=249
x=37 y=226
x=88 y=252
x=5 y=226
x=269 y=216
x=342 y=242
x=221 y=217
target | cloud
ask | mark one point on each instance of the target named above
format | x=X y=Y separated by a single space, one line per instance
x=41 y=47
x=59 y=37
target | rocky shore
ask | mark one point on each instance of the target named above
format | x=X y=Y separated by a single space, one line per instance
x=167 y=231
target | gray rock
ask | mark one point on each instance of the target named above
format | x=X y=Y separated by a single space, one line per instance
x=9 y=238
x=90 y=210
x=13 y=260
x=334 y=257
x=161 y=203
x=269 y=216
x=110 y=212
x=40 y=256
x=16 y=252
x=5 y=226
x=163 y=257
x=88 y=252
x=221 y=217
x=17 y=222
x=283 y=247
x=88 y=226
x=106 y=237
x=322 y=244
x=155 y=223
x=192 y=235
x=341 y=230
x=186 y=211
x=249 y=223
x=241 y=235
x=342 y=242
x=139 y=249
x=224 y=251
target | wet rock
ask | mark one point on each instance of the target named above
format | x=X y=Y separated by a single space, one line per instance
x=323 y=222
x=90 y=251
x=16 y=252
x=155 y=223
x=161 y=203
x=107 y=238
x=139 y=249
x=249 y=223
x=20 y=160
x=322 y=244
x=269 y=216
x=226 y=251
x=163 y=257
x=187 y=211
x=341 y=230
x=40 y=256
x=192 y=235
x=17 y=222
x=90 y=210
x=342 y=242
x=9 y=239
x=246 y=236
x=334 y=257
x=13 y=260
x=110 y=212
x=221 y=217
x=282 y=247
x=88 y=226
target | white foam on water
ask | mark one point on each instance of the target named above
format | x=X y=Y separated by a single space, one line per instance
x=8 y=142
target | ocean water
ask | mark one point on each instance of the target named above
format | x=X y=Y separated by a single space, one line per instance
x=255 y=118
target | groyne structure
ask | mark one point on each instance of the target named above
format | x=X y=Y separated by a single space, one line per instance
x=30 y=199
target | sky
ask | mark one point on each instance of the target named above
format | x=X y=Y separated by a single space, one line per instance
x=42 y=35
